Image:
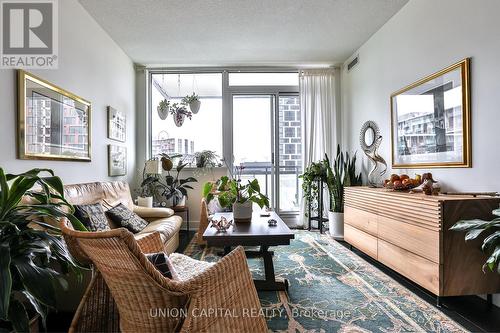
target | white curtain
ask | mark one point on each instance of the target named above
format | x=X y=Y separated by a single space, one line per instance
x=320 y=119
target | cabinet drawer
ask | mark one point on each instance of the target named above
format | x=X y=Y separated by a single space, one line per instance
x=361 y=240
x=418 y=269
x=361 y=219
x=421 y=241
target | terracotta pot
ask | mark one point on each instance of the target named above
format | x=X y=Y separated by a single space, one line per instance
x=242 y=212
x=194 y=106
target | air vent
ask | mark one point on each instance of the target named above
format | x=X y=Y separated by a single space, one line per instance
x=353 y=63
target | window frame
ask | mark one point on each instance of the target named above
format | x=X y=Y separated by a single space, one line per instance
x=227 y=93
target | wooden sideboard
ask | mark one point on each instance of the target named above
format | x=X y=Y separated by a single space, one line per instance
x=410 y=234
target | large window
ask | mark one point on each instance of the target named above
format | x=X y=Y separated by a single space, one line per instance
x=203 y=131
x=251 y=118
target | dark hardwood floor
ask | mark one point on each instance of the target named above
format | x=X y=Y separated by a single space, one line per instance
x=472 y=312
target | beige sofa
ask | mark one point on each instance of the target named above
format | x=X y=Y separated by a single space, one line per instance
x=110 y=194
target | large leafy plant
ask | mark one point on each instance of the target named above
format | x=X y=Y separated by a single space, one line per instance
x=170 y=186
x=340 y=175
x=229 y=191
x=29 y=246
x=310 y=189
x=491 y=243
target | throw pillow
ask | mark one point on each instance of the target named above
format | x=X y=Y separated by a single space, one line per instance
x=92 y=217
x=162 y=263
x=123 y=216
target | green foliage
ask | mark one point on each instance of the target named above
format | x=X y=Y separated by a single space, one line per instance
x=342 y=174
x=491 y=243
x=229 y=191
x=189 y=99
x=169 y=186
x=27 y=254
x=336 y=177
x=206 y=159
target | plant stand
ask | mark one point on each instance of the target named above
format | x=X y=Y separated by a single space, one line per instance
x=183 y=209
x=319 y=217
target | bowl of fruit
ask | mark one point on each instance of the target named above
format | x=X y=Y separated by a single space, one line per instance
x=402 y=182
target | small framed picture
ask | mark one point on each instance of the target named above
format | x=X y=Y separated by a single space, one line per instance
x=117 y=125
x=117 y=160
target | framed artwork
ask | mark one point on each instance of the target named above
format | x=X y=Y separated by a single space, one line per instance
x=117 y=125
x=117 y=160
x=53 y=124
x=430 y=121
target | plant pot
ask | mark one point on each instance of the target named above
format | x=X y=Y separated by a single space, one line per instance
x=194 y=106
x=180 y=202
x=145 y=201
x=179 y=119
x=242 y=212
x=200 y=161
x=336 y=225
x=162 y=112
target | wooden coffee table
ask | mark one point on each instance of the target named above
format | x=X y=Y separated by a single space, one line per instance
x=254 y=233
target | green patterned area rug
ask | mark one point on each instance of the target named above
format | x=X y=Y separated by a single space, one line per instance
x=334 y=290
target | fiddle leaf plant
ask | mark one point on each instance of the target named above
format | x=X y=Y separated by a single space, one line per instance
x=491 y=243
x=29 y=245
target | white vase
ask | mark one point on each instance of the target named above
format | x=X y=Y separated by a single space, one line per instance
x=242 y=211
x=194 y=106
x=145 y=201
x=336 y=225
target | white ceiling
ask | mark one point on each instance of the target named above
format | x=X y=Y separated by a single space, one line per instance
x=241 y=32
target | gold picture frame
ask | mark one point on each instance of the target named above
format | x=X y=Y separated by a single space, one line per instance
x=431 y=121
x=53 y=124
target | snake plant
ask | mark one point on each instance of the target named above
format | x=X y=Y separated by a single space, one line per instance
x=29 y=246
x=342 y=174
x=491 y=243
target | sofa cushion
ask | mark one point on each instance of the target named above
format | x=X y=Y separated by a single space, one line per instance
x=92 y=216
x=162 y=263
x=187 y=267
x=123 y=216
x=166 y=226
x=157 y=212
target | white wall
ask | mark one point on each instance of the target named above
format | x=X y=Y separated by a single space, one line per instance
x=91 y=65
x=424 y=37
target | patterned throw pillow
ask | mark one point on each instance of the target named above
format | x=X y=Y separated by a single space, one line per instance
x=92 y=217
x=123 y=216
x=162 y=263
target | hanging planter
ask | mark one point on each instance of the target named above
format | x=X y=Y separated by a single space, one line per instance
x=193 y=102
x=179 y=112
x=163 y=109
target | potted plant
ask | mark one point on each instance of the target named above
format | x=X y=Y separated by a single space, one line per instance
x=233 y=193
x=174 y=188
x=491 y=243
x=206 y=159
x=193 y=101
x=29 y=246
x=163 y=109
x=179 y=112
x=341 y=175
x=314 y=172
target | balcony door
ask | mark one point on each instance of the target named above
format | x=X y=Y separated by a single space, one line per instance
x=266 y=145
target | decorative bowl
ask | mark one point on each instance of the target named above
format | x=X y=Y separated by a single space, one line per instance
x=221 y=225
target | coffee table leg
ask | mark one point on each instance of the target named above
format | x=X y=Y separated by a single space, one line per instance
x=270 y=282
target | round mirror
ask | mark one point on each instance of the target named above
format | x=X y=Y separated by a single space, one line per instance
x=369 y=136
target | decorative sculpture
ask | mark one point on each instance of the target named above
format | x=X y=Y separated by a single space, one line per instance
x=370 y=139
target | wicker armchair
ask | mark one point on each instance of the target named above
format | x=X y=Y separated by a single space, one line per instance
x=222 y=298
